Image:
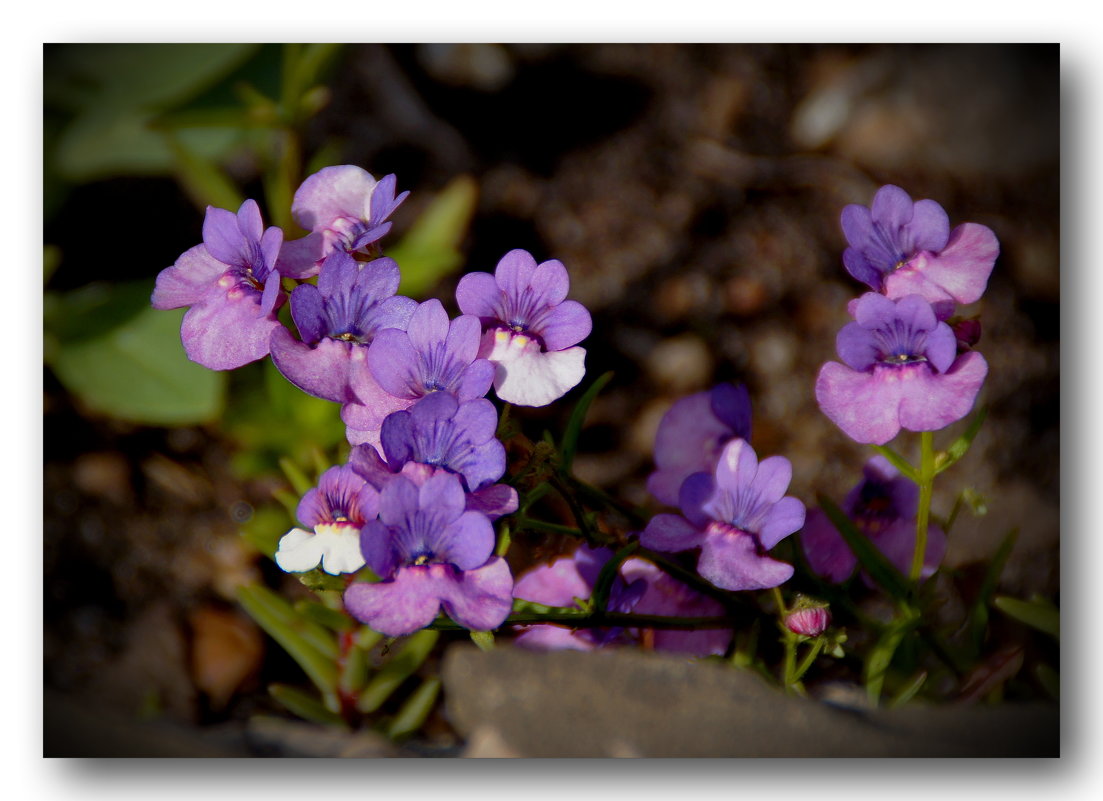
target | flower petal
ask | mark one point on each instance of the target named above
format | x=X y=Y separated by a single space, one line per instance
x=514 y=272
x=565 y=325
x=785 y=517
x=825 y=549
x=732 y=562
x=670 y=534
x=931 y=402
x=525 y=376
x=321 y=371
x=479 y=599
x=330 y=193
x=189 y=281
x=866 y=406
x=224 y=333
x=298 y=551
x=478 y=294
x=396 y=607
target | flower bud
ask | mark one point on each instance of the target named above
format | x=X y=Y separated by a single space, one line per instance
x=811 y=621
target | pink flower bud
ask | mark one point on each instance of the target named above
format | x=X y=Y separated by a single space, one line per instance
x=810 y=622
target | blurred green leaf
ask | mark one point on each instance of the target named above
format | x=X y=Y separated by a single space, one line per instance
x=430 y=249
x=401 y=666
x=960 y=446
x=415 y=710
x=89 y=76
x=899 y=462
x=978 y=618
x=137 y=371
x=880 y=657
x=908 y=691
x=1049 y=679
x=578 y=417
x=203 y=180
x=483 y=639
x=1037 y=613
x=294 y=633
x=265 y=528
x=304 y=705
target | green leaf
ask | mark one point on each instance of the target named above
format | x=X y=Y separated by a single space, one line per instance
x=1037 y=613
x=908 y=691
x=415 y=710
x=899 y=462
x=880 y=657
x=91 y=76
x=430 y=249
x=880 y=569
x=960 y=446
x=569 y=445
x=979 y=614
x=354 y=672
x=483 y=639
x=203 y=180
x=265 y=529
x=408 y=659
x=138 y=372
x=294 y=633
x=304 y=705
x=296 y=476
x=1049 y=679
x=324 y=616
x=321 y=581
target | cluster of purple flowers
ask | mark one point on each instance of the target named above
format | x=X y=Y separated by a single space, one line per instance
x=903 y=366
x=417 y=499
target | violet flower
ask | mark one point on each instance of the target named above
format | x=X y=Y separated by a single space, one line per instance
x=902 y=248
x=562 y=583
x=335 y=511
x=665 y=595
x=344 y=208
x=337 y=320
x=440 y=433
x=432 y=355
x=735 y=516
x=883 y=507
x=430 y=553
x=530 y=329
x=901 y=371
x=693 y=432
x=231 y=284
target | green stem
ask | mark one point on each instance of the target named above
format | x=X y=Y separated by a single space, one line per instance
x=926 y=486
x=809 y=658
x=588 y=620
x=598 y=496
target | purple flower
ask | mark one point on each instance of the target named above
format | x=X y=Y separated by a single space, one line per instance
x=430 y=552
x=338 y=319
x=902 y=248
x=692 y=434
x=440 y=433
x=883 y=507
x=562 y=582
x=529 y=327
x=432 y=355
x=735 y=516
x=665 y=595
x=901 y=371
x=344 y=208
x=231 y=284
x=334 y=511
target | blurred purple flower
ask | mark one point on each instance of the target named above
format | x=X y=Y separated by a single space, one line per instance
x=344 y=208
x=402 y=367
x=559 y=584
x=903 y=248
x=231 y=284
x=531 y=330
x=667 y=596
x=693 y=432
x=735 y=516
x=430 y=553
x=440 y=433
x=338 y=319
x=901 y=371
x=334 y=511
x=883 y=507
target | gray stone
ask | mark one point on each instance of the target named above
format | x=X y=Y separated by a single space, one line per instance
x=635 y=704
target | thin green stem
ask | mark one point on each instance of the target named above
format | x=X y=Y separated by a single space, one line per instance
x=926 y=486
x=588 y=620
x=809 y=658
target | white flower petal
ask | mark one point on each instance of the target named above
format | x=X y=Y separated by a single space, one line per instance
x=526 y=376
x=299 y=551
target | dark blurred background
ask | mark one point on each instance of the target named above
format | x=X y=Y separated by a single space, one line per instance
x=693 y=192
